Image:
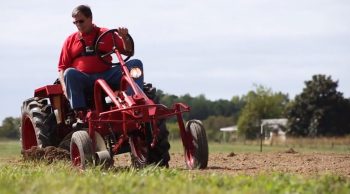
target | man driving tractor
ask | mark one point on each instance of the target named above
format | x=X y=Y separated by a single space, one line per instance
x=79 y=66
x=114 y=111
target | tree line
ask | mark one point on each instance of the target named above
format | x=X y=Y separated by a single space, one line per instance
x=319 y=110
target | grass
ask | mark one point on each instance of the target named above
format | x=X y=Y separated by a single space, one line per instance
x=61 y=178
x=38 y=177
x=9 y=148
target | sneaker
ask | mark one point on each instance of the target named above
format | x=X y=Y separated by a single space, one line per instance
x=79 y=124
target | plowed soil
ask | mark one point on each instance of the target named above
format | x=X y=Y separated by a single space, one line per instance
x=48 y=154
x=289 y=161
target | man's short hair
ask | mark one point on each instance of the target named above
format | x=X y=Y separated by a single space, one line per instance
x=84 y=9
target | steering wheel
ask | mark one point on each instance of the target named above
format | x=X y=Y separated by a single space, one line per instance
x=103 y=54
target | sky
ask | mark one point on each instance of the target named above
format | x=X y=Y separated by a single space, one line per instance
x=218 y=48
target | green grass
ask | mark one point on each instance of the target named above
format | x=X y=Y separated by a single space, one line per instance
x=38 y=177
x=61 y=178
x=9 y=148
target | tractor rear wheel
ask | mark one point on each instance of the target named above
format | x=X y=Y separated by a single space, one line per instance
x=159 y=155
x=38 y=124
x=198 y=156
x=81 y=149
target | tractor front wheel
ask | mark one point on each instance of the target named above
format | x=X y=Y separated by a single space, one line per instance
x=197 y=155
x=81 y=149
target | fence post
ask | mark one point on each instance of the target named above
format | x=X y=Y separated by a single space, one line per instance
x=261 y=135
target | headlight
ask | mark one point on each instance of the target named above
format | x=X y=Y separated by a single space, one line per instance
x=135 y=72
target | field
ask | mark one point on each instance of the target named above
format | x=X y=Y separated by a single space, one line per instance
x=299 y=167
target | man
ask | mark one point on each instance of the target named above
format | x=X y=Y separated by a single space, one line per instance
x=79 y=66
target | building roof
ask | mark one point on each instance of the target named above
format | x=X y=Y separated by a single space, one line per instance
x=230 y=128
x=282 y=121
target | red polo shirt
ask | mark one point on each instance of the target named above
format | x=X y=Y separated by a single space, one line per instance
x=73 y=47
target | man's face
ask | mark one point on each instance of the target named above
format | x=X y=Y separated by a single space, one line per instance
x=84 y=24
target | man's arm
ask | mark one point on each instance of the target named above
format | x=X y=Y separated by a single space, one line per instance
x=64 y=62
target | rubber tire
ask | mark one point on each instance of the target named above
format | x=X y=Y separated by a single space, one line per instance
x=39 y=113
x=81 y=142
x=159 y=155
x=200 y=143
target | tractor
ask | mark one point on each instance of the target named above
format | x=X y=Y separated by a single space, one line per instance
x=117 y=121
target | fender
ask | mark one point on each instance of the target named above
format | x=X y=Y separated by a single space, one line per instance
x=48 y=91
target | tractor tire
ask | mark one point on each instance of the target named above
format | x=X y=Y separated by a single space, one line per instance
x=159 y=155
x=38 y=124
x=81 y=149
x=198 y=157
x=139 y=147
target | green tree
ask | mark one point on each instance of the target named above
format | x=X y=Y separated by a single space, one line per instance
x=319 y=110
x=239 y=103
x=202 y=108
x=199 y=108
x=222 y=107
x=213 y=124
x=260 y=104
x=10 y=128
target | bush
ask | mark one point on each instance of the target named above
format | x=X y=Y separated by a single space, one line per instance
x=9 y=128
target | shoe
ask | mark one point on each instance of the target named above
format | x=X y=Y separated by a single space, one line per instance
x=79 y=124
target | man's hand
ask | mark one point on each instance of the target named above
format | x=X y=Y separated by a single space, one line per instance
x=123 y=33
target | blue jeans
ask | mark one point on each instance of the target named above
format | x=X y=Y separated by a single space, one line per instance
x=78 y=84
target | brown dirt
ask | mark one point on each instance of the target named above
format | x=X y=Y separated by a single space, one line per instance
x=289 y=161
x=48 y=154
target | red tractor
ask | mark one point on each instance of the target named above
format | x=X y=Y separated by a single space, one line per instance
x=116 y=122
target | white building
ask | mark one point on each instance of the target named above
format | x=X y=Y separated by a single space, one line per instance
x=272 y=130
x=229 y=133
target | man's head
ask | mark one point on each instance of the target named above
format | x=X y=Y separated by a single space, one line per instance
x=82 y=18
